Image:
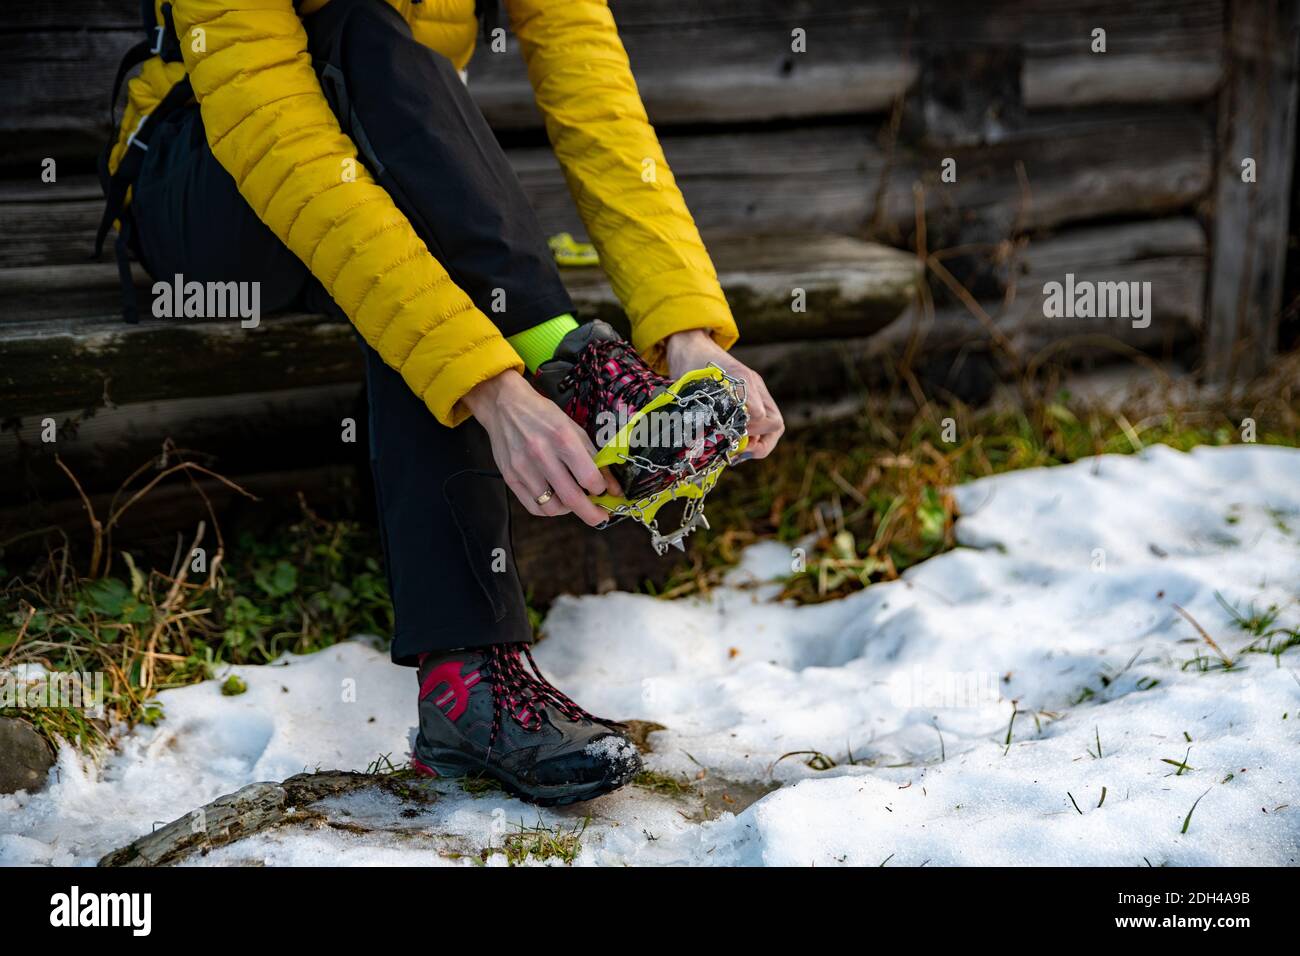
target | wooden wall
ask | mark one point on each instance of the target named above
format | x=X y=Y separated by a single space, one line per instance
x=1115 y=166
x=1048 y=137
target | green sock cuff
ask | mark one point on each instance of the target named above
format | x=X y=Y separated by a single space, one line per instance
x=538 y=344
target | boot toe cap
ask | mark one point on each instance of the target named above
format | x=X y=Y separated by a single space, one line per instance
x=610 y=758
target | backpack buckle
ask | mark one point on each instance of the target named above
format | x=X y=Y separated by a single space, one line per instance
x=132 y=141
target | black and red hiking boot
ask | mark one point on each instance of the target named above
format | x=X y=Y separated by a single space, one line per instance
x=483 y=713
x=601 y=382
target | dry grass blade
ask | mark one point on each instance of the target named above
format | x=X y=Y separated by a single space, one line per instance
x=1205 y=635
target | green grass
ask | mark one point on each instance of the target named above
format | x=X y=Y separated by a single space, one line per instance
x=300 y=589
x=1181 y=765
x=1262 y=626
x=540 y=844
x=871 y=487
x=662 y=783
x=479 y=785
x=1187 y=820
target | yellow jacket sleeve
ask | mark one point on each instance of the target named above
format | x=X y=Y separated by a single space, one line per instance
x=616 y=171
x=269 y=125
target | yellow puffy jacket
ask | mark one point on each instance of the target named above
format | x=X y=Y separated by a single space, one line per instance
x=269 y=125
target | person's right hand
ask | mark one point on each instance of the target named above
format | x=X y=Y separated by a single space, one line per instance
x=539 y=448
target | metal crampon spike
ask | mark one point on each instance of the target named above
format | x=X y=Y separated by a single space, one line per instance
x=677 y=539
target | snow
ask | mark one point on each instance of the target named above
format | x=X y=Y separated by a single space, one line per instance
x=614 y=750
x=1061 y=599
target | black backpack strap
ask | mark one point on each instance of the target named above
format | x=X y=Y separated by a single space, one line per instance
x=132 y=58
x=166 y=43
x=120 y=182
x=161 y=41
x=489 y=14
x=125 y=281
x=161 y=36
x=137 y=145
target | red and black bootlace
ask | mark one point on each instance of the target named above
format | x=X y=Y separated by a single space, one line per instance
x=609 y=376
x=524 y=694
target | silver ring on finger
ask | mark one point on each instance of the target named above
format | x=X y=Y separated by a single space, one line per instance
x=545 y=496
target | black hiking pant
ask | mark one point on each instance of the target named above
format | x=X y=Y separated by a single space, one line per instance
x=443 y=506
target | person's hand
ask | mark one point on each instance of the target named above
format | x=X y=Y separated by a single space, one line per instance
x=538 y=448
x=694 y=349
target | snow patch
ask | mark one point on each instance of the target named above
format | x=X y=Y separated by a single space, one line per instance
x=1031 y=698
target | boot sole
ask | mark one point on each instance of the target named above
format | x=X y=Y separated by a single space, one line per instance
x=458 y=765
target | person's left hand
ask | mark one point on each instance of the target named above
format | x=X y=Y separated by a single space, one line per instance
x=694 y=349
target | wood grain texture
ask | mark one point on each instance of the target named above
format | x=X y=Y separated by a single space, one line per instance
x=715 y=61
x=1257 y=120
x=69 y=350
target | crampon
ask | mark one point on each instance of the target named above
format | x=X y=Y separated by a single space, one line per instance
x=708 y=405
x=662 y=440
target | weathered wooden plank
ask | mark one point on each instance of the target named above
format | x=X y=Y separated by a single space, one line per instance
x=281 y=430
x=73 y=15
x=714 y=73
x=57 y=86
x=743 y=182
x=1257 y=120
x=68 y=116
x=839 y=284
x=50 y=364
x=715 y=61
x=772 y=88
x=1115 y=78
x=63 y=80
x=783 y=179
x=824 y=179
x=56 y=365
x=50 y=233
x=1041 y=24
x=1170 y=254
x=844 y=285
x=1054 y=172
x=1075 y=169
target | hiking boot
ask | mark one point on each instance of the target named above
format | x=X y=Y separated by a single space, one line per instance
x=483 y=713
x=601 y=382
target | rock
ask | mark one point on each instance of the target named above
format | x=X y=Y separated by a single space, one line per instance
x=25 y=757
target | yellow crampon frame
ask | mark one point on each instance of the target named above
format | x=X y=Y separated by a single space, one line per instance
x=693 y=486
